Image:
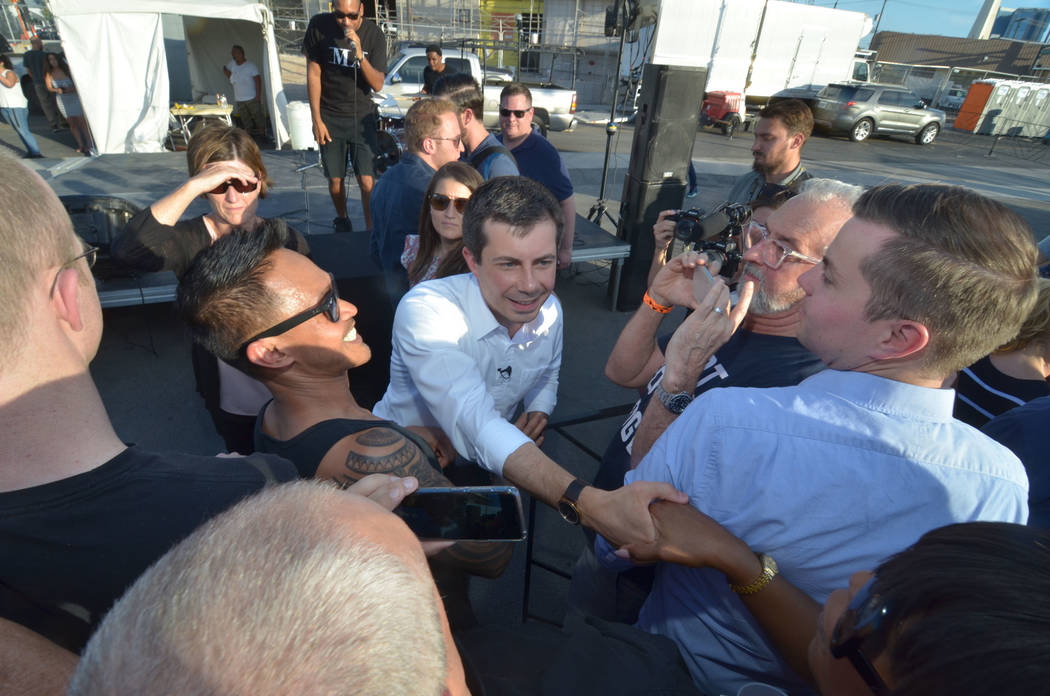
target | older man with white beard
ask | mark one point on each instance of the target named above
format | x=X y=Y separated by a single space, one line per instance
x=752 y=345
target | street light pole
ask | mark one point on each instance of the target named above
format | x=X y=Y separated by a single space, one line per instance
x=879 y=20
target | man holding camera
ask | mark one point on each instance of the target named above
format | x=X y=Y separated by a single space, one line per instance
x=780 y=133
x=345 y=63
x=753 y=346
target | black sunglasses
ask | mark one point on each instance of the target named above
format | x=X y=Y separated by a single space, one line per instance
x=329 y=306
x=518 y=113
x=439 y=202
x=352 y=16
x=237 y=184
x=865 y=621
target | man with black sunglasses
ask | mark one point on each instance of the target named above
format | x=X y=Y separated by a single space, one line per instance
x=537 y=158
x=345 y=64
x=276 y=316
x=81 y=513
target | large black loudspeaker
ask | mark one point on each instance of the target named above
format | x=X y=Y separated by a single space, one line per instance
x=664 y=131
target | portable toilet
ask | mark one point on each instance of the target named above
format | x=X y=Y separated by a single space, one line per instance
x=1036 y=117
x=983 y=105
x=1011 y=120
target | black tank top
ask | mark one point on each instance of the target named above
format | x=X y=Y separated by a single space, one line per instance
x=308 y=448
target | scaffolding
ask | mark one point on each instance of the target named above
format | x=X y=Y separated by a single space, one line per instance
x=557 y=42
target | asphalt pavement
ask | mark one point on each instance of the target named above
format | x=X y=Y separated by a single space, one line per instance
x=143 y=367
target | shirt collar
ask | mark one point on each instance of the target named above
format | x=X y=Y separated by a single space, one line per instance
x=483 y=322
x=885 y=395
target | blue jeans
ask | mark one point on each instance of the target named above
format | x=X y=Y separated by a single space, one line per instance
x=18 y=118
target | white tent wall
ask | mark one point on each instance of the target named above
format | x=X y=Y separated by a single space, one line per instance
x=117 y=58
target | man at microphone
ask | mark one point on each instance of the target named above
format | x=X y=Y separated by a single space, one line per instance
x=346 y=62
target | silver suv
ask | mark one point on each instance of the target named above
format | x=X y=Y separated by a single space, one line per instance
x=861 y=109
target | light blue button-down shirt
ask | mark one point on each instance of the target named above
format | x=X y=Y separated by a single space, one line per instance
x=828 y=477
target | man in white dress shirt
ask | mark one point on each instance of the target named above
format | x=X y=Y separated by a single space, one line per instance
x=468 y=350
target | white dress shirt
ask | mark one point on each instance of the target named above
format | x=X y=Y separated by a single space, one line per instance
x=453 y=366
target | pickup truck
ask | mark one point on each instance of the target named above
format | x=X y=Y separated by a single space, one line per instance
x=555 y=107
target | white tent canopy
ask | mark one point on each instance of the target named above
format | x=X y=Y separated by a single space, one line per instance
x=115 y=50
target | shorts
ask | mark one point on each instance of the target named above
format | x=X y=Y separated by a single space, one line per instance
x=354 y=134
x=251 y=114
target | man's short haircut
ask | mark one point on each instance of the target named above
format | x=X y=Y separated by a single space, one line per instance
x=1036 y=328
x=793 y=113
x=462 y=90
x=237 y=47
x=223 y=296
x=423 y=120
x=514 y=89
x=222 y=143
x=35 y=235
x=969 y=604
x=434 y=48
x=278 y=595
x=961 y=264
x=516 y=201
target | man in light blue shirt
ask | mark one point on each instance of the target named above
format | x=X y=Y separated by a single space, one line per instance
x=855 y=463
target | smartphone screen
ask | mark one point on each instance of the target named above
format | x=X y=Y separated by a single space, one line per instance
x=702 y=282
x=483 y=513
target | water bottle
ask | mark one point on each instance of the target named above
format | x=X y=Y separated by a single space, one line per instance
x=222 y=100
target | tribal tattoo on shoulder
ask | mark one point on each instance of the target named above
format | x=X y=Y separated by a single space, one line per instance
x=389 y=452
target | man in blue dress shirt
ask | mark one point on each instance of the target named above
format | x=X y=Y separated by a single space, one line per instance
x=855 y=463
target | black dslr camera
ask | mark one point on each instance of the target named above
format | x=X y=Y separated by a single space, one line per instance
x=717 y=233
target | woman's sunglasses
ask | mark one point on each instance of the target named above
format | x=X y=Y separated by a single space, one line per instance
x=439 y=202
x=238 y=185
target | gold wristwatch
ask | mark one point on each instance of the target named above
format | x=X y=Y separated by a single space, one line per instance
x=769 y=571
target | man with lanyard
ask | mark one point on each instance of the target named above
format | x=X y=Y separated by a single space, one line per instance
x=346 y=61
x=780 y=134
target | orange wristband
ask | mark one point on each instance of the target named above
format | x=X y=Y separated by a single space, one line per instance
x=654 y=305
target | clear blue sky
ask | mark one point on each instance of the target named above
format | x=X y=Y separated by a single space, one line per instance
x=944 y=17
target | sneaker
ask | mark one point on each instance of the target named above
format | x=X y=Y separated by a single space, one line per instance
x=32 y=155
x=342 y=224
x=692 y=193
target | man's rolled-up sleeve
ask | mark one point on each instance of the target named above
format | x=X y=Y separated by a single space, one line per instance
x=426 y=329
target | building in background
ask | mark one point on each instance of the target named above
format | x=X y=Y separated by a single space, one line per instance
x=1028 y=24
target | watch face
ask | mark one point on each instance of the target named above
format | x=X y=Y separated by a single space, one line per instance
x=569 y=512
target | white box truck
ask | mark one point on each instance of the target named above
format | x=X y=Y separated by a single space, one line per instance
x=760 y=47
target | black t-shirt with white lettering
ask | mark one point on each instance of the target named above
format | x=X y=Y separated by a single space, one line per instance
x=748 y=359
x=344 y=90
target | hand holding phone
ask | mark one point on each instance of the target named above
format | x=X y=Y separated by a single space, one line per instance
x=475 y=513
x=702 y=278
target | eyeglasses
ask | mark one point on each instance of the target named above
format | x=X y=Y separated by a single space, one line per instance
x=518 y=113
x=777 y=251
x=237 y=184
x=455 y=141
x=329 y=306
x=439 y=202
x=864 y=621
x=352 y=16
x=90 y=255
